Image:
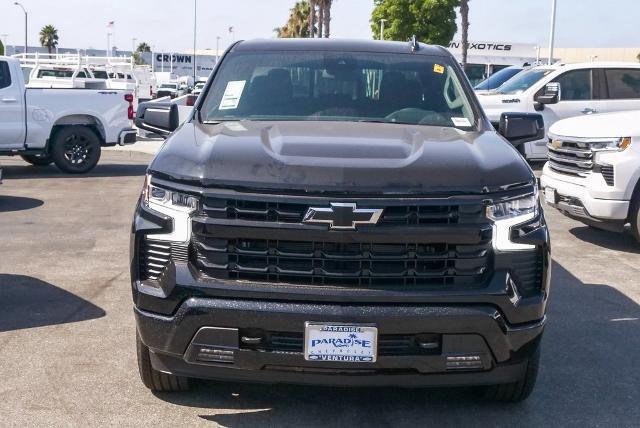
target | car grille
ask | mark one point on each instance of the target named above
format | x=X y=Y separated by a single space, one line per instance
x=571 y=158
x=295 y=253
x=388 y=344
x=286 y=212
x=155 y=257
x=607 y=174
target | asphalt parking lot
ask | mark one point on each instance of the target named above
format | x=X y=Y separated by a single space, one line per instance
x=67 y=344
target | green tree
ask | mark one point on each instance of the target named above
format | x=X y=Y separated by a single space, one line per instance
x=432 y=21
x=1 y=48
x=143 y=47
x=137 y=55
x=298 y=23
x=49 y=37
x=464 y=31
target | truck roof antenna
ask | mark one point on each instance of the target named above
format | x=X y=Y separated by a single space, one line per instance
x=415 y=46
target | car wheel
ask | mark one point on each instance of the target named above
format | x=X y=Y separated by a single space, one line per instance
x=76 y=149
x=37 y=160
x=154 y=379
x=520 y=390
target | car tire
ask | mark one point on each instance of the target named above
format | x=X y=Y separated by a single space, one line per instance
x=76 y=149
x=520 y=390
x=154 y=379
x=634 y=218
x=37 y=160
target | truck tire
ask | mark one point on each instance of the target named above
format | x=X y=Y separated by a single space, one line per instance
x=516 y=391
x=152 y=378
x=75 y=149
x=37 y=160
x=634 y=218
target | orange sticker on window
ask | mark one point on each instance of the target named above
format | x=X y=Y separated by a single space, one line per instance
x=437 y=68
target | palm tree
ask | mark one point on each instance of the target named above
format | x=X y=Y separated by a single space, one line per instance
x=313 y=4
x=326 y=5
x=143 y=47
x=297 y=25
x=49 y=37
x=464 y=14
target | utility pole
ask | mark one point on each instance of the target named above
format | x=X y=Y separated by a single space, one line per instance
x=195 y=23
x=553 y=30
x=382 y=21
x=25 y=25
x=108 y=45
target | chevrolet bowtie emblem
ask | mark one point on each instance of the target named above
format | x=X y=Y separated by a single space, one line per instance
x=342 y=216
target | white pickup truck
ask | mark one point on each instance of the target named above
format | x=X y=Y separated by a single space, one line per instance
x=593 y=172
x=63 y=126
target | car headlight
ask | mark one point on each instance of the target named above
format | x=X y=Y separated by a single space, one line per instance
x=179 y=206
x=510 y=213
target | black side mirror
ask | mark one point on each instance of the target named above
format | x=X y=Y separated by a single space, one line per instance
x=519 y=128
x=160 y=118
x=551 y=94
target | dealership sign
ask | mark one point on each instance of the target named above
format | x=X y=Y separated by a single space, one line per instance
x=495 y=48
x=181 y=64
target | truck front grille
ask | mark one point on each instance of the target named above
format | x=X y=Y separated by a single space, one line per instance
x=570 y=158
x=156 y=255
x=343 y=264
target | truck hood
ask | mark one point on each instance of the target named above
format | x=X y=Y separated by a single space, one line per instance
x=341 y=157
x=604 y=125
x=495 y=104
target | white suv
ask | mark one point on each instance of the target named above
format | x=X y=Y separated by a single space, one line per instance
x=563 y=91
x=593 y=172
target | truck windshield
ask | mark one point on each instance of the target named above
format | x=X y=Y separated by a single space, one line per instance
x=523 y=81
x=497 y=78
x=339 y=86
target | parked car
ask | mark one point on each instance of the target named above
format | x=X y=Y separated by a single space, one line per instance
x=496 y=79
x=199 y=86
x=63 y=126
x=170 y=89
x=563 y=91
x=593 y=172
x=372 y=229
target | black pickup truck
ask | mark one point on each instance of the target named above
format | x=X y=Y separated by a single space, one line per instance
x=340 y=213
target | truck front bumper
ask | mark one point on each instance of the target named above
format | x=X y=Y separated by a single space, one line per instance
x=204 y=339
x=577 y=201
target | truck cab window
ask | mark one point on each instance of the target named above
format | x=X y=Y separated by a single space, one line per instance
x=576 y=85
x=5 y=76
x=623 y=83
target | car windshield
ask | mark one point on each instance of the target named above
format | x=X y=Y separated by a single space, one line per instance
x=523 y=81
x=169 y=86
x=339 y=86
x=497 y=78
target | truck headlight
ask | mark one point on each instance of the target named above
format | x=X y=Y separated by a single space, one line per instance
x=179 y=206
x=510 y=213
x=618 y=145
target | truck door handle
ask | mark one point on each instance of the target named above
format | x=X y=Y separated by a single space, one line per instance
x=588 y=110
x=9 y=100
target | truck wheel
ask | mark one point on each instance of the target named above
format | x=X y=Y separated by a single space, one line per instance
x=634 y=219
x=153 y=379
x=520 y=390
x=37 y=160
x=75 y=149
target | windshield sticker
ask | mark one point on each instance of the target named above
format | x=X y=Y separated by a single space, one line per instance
x=232 y=94
x=437 y=68
x=460 y=121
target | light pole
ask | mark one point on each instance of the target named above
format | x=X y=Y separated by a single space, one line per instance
x=553 y=30
x=153 y=58
x=108 y=45
x=195 y=23
x=382 y=21
x=133 y=44
x=217 y=48
x=25 y=24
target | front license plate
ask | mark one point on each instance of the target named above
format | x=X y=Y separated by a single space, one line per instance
x=550 y=195
x=340 y=342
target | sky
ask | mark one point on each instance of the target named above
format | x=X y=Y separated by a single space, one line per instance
x=168 y=24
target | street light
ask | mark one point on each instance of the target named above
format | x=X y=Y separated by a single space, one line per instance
x=217 y=48
x=25 y=24
x=553 y=29
x=382 y=21
x=195 y=22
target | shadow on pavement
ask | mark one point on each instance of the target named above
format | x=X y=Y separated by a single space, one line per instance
x=15 y=172
x=27 y=302
x=589 y=377
x=605 y=239
x=18 y=203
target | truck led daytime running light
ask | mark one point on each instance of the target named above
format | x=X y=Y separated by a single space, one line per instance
x=511 y=213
